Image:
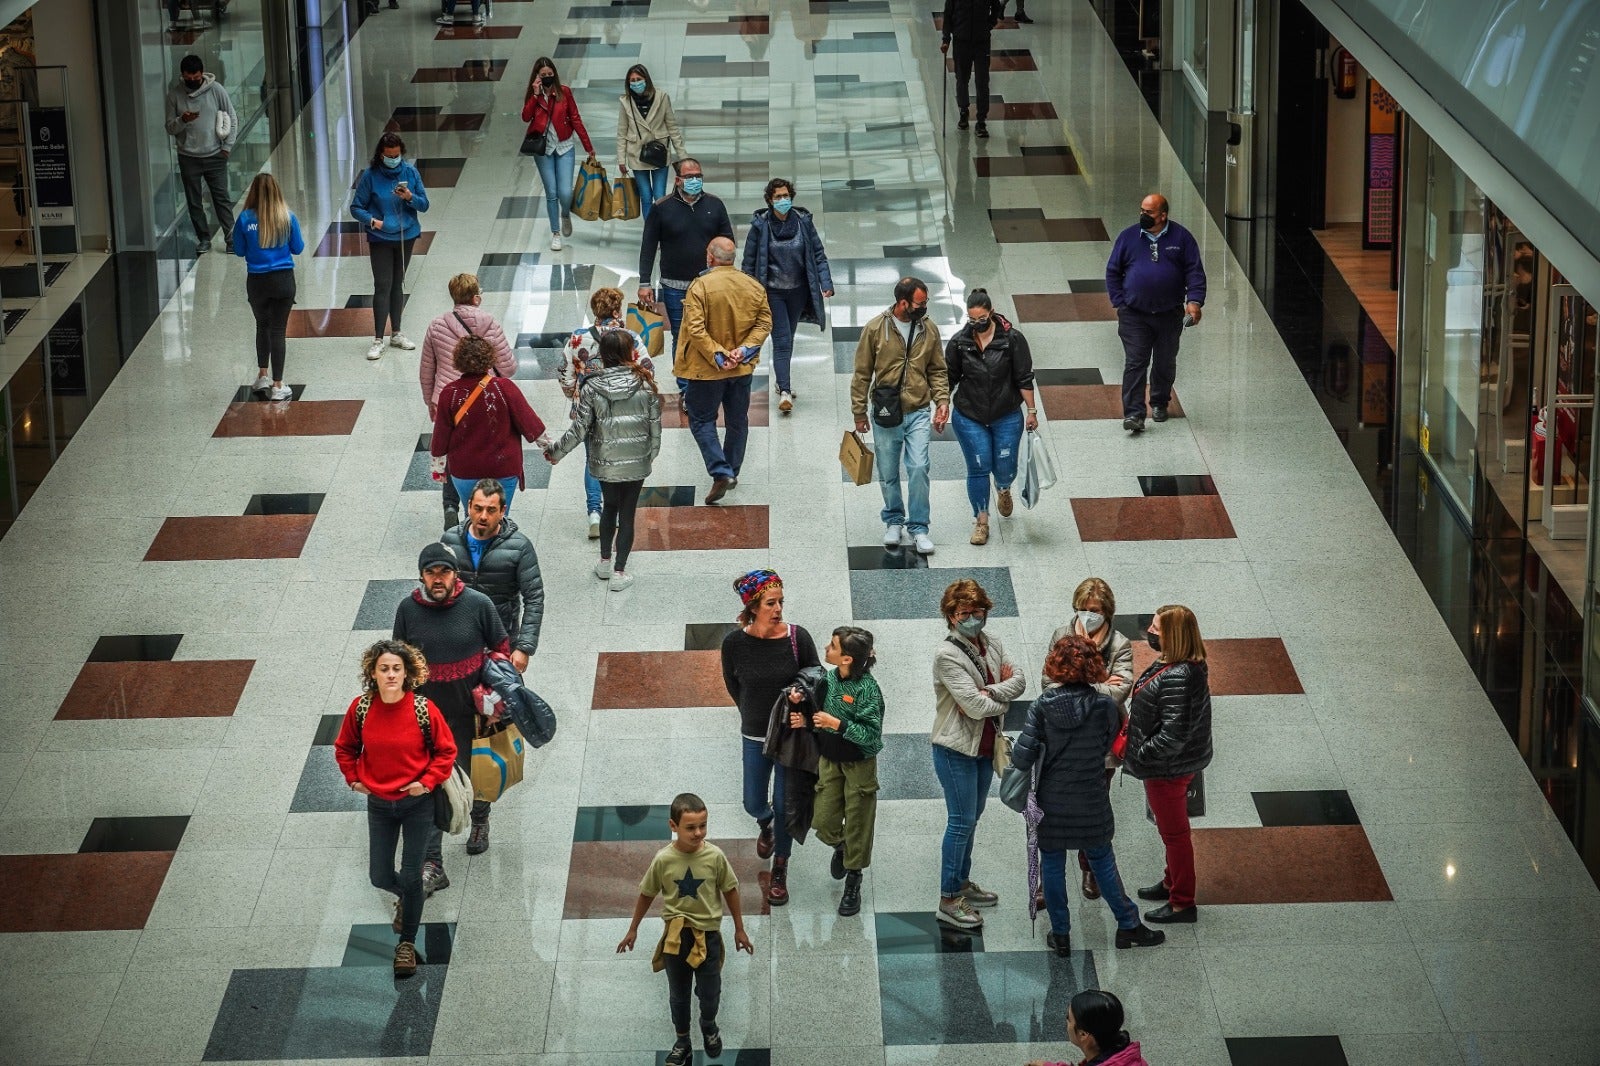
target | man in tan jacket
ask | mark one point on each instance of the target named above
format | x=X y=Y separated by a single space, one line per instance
x=900 y=352
x=725 y=322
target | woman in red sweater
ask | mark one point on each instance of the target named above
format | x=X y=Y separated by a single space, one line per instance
x=550 y=110
x=385 y=756
x=478 y=421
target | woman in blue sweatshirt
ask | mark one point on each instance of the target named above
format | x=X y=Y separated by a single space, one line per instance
x=388 y=197
x=266 y=235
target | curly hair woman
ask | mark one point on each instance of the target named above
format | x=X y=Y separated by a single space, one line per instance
x=477 y=421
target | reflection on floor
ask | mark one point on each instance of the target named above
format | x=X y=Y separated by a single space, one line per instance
x=1367 y=272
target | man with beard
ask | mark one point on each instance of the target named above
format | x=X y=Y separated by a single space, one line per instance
x=454 y=627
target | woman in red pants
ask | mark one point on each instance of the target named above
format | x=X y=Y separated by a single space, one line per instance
x=1169 y=741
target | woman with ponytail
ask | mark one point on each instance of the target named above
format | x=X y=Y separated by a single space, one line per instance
x=266 y=235
x=1094 y=1026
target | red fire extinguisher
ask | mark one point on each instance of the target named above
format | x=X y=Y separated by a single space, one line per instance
x=1343 y=71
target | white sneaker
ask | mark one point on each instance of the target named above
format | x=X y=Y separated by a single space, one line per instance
x=602 y=570
x=893 y=536
x=282 y=392
x=594 y=525
x=620 y=581
x=785 y=401
x=376 y=351
x=263 y=383
x=555 y=242
x=477 y=20
x=446 y=20
x=924 y=544
x=401 y=341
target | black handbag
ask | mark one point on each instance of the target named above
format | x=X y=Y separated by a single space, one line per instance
x=886 y=409
x=533 y=144
x=653 y=154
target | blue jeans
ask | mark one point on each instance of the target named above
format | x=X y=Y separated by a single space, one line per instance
x=759 y=771
x=990 y=449
x=464 y=487
x=700 y=402
x=787 y=305
x=591 y=485
x=965 y=780
x=912 y=434
x=652 y=186
x=1103 y=862
x=556 y=172
x=673 y=300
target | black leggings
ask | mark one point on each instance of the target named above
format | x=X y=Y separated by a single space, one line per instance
x=271 y=295
x=618 y=501
x=389 y=262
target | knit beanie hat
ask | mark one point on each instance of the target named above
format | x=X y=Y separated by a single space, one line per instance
x=750 y=585
x=437 y=554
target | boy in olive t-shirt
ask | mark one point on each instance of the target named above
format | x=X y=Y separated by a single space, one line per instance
x=693 y=879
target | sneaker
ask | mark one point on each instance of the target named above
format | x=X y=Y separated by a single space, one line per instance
x=202 y=248
x=982 y=131
x=1140 y=936
x=850 y=902
x=836 y=864
x=478 y=839
x=766 y=840
x=778 y=886
x=1060 y=944
x=405 y=959
x=401 y=341
x=594 y=525
x=961 y=120
x=477 y=20
x=434 y=879
x=1006 y=503
x=446 y=20
x=958 y=914
x=603 y=569
x=227 y=246
x=893 y=536
x=396 y=923
x=566 y=225
x=282 y=392
x=452 y=519
x=924 y=544
x=263 y=383
x=786 y=401
x=713 y=1039
x=682 y=1051
x=620 y=581
x=375 y=352
x=980 y=532
x=555 y=242
x=977 y=896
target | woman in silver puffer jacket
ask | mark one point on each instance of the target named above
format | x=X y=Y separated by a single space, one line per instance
x=619 y=416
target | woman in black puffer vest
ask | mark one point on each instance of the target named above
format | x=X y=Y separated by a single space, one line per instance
x=1169 y=741
x=1069 y=731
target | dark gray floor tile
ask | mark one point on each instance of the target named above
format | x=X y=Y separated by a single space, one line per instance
x=264 y=503
x=706 y=636
x=1277 y=1050
x=150 y=833
x=920 y=933
x=1076 y=375
x=979 y=997
x=328 y=727
x=322 y=788
x=718 y=67
x=326 y=1013
x=916 y=593
x=136 y=648
x=1087 y=285
x=851 y=87
x=877 y=199
x=622 y=823
x=1310 y=807
x=593 y=48
x=878 y=557
x=1177 y=485
x=873 y=41
x=373 y=945
x=668 y=496
x=378 y=604
x=535 y=470
x=905 y=768
x=245 y=394
x=893 y=137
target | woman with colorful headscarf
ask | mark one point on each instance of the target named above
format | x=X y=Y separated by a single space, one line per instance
x=760 y=660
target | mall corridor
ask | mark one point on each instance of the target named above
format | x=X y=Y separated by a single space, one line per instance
x=189 y=591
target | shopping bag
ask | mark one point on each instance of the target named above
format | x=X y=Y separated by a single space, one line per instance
x=650 y=326
x=1038 y=469
x=591 y=192
x=624 y=200
x=855 y=457
x=496 y=761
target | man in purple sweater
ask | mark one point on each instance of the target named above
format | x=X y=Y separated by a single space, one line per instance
x=1157 y=284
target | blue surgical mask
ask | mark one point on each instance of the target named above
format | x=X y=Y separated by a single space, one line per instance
x=692 y=186
x=393 y=162
x=971 y=627
x=636 y=86
x=782 y=205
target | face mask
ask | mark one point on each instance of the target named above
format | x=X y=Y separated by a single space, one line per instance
x=195 y=84
x=971 y=627
x=547 y=80
x=692 y=186
x=392 y=162
x=916 y=314
x=1091 y=620
x=636 y=86
x=1153 y=639
x=978 y=325
x=1147 y=221
x=782 y=205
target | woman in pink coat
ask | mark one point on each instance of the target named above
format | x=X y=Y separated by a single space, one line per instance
x=1094 y=1025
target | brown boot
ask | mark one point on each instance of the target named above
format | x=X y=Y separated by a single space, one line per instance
x=405 y=959
x=980 y=531
x=778 y=887
x=1091 y=887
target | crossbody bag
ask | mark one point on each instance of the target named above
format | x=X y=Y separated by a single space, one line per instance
x=887 y=411
x=652 y=154
x=472 y=398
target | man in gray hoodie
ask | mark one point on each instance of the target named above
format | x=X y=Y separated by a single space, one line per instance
x=193 y=107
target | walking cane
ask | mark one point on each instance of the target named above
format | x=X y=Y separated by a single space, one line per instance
x=944 y=99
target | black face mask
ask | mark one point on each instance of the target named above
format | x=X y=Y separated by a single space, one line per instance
x=548 y=80
x=916 y=314
x=979 y=325
x=1147 y=221
x=193 y=85
x=1153 y=639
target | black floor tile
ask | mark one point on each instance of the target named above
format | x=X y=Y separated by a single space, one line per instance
x=275 y=1014
x=1016 y=214
x=365 y=300
x=160 y=833
x=752 y=1056
x=992 y=997
x=706 y=636
x=1087 y=285
x=1177 y=485
x=373 y=945
x=647 y=822
x=667 y=496
x=285 y=503
x=1278 y=1050
x=141 y=648
x=877 y=557
x=248 y=395
x=508 y=259
x=1310 y=807
x=542 y=340
x=920 y=933
x=1077 y=375
x=328 y=727
x=1044 y=149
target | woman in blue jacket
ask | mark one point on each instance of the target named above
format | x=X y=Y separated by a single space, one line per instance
x=388 y=198
x=784 y=253
x=266 y=235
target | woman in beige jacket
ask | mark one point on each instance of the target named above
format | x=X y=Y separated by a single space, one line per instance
x=974 y=682
x=647 y=126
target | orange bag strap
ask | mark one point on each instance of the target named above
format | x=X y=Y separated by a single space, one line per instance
x=472 y=398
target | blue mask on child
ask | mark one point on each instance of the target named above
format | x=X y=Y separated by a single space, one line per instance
x=692 y=186
x=392 y=162
x=782 y=205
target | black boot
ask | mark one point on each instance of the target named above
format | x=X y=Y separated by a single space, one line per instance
x=850 y=902
x=452 y=519
x=1022 y=16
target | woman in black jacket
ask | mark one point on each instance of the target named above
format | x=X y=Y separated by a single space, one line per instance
x=1169 y=741
x=1069 y=731
x=991 y=375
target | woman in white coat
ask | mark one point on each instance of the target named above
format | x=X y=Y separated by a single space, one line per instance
x=648 y=137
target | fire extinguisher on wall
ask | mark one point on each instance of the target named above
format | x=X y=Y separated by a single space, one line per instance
x=1343 y=71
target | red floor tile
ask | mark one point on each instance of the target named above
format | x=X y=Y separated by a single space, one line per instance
x=183 y=688
x=673 y=417
x=1151 y=518
x=737 y=25
x=462 y=123
x=1240 y=666
x=1066 y=307
x=75 y=893
x=1090 y=402
x=353 y=245
x=478 y=33
x=472 y=70
x=700 y=528
x=332 y=321
x=603 y=881
x=297 y=418
x=1288 y=864
x=650 y=679
x=255 y=536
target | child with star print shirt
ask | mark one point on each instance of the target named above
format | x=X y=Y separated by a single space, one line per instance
x=693 y=879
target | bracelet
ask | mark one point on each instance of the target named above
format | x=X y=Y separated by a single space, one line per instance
x=1031 y=411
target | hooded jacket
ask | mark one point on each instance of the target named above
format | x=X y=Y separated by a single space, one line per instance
x=375 y=198
x=1067 y=735
x=620 y=416
x=199 y=139
x=819 y=278
x=508 y=573
x=437 y=366
x=1169 y=721
x=1117 y=652
x=986 y=384
x=880 y=354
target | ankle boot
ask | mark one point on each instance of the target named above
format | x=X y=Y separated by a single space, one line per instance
x=778 y=887
x=850 y=902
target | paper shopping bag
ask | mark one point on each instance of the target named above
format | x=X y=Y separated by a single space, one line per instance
x=496 y=760
x=650 y=325
x=855 y=457
x=624 y=200
x=591 y=192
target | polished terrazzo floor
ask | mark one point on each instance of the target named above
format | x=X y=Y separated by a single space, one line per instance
x=185 y=872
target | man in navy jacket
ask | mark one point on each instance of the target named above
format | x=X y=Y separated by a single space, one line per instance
x=1155 y=280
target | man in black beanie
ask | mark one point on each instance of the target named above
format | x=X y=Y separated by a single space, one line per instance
x=454 y=627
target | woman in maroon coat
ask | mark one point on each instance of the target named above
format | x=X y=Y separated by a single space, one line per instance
x=480 y=422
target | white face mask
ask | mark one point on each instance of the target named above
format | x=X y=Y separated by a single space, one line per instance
x=1091 y=620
